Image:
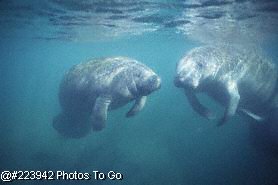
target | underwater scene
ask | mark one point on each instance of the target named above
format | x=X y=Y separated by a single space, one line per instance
x=145 y=92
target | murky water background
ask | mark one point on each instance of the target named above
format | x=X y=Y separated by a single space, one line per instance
x=167 y=143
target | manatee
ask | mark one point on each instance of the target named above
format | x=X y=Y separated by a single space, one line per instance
x=242 y=80
x=89 y=90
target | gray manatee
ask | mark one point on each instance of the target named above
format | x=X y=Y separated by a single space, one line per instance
x=89 y=90
x=241 y=80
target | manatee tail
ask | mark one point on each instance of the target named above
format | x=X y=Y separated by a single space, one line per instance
x=71 y=126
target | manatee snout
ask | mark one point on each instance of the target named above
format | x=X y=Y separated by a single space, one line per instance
x=156 y=81
x=152 y=84
x=182 y=82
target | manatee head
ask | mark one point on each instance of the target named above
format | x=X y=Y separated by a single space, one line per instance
x=191 y=71
x=147 y=82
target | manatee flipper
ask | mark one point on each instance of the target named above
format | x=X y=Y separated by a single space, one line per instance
x=197 y=106
x=99 y=114
x=252 y=115
x=138 y=106
x=233 y=101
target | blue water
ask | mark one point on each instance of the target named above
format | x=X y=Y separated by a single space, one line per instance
x=166 y=143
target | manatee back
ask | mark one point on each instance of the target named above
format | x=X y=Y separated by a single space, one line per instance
x=259 y=77
x=85 y=81
x=254 y=73
x=101 y=72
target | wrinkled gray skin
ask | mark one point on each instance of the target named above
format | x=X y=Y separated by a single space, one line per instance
x=90 y=89
x=242 y=81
